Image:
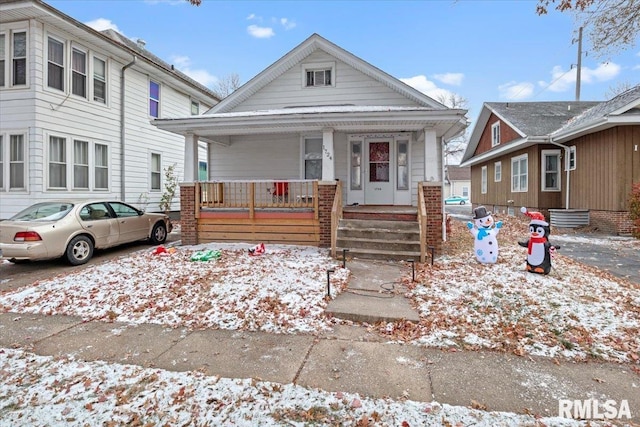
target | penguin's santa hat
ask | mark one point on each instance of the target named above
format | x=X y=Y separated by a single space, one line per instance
x=536 y=217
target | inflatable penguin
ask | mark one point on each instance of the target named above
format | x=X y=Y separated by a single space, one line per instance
x=539 y=250
x=485 y=234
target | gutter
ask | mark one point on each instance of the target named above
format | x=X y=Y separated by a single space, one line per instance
x=122 y=130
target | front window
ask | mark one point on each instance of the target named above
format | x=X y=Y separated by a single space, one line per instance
x=497 y=171
x=154 y=99
x=79 y=73
x=313 y=158
x=16 y=162
x=55 y=67
x=20 y=58
x=156 y=172
x=550 y=170
x=483 y=182
x=519 y=173
x=99 y=80
x=495 y=134
x=101 y=162
x=80 y=164
x=57 y=162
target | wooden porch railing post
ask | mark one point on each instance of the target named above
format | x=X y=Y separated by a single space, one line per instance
x=252 y=199
x=197 y=199
x=315 y=199
x=422 y=222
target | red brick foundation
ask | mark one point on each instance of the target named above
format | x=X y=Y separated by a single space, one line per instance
x=611 y=222
x=188 y=223
x=326 y=194
x=433 y=200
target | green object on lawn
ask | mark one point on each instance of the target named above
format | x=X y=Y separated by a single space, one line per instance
x=206 y=255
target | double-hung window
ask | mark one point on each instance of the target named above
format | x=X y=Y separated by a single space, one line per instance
x=495 y=134
x=80 y=164
x=519 y=173
x=13 y=58
x=57 y=162
x=195 y=108
x=79 y=73
x=154 y=99
x=313 y=158
x=101 y=165
x=483 y=180
x=551 y=170
x=99 y=80
x=3 y=60
x=55 y=64
x=12 y=161
x=497 y=171
x=156 y=171
x=571 y=159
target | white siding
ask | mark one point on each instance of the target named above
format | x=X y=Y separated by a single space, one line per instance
x=351 y=87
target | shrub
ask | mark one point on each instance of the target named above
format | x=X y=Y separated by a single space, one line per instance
x=634 y=209
x=170 y=187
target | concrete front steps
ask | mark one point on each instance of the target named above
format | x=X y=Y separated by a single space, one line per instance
x=379 y=239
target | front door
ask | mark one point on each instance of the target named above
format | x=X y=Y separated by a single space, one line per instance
x=378 y=185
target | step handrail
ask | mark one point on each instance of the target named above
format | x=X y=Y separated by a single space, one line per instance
x=422 y=221
x=336 y=216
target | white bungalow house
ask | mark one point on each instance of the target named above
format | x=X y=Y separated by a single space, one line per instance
x=75 y=112
x=319 y=114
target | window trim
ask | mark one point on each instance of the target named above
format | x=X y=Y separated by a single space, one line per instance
x=318 y=66
x=483 y=180
x=543 y=166
x=495 y=134
x=153 y=172
x=497 y=166
x=514 y=160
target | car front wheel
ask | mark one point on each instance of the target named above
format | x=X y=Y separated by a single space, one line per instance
x=462 y=202
x=158 y=234
x=79 y=250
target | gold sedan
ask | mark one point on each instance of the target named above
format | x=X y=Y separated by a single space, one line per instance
x=72 y=229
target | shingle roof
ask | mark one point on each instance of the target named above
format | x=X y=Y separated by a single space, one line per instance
x=539 y=118
x=457 y=173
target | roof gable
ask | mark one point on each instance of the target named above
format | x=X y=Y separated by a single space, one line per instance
x=298 y=55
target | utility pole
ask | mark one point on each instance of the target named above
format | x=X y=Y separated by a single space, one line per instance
x=579 y=66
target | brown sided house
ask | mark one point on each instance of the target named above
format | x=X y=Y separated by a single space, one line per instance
x=574 y=161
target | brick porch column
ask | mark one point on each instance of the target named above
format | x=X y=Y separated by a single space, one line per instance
x=433 y=201
x=326 y=194
x=188 y=222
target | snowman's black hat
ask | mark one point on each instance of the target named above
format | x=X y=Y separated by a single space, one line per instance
x=480 y=212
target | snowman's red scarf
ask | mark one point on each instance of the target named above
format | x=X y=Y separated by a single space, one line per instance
x=534 y=240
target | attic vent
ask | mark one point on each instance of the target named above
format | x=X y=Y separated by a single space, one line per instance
x=141 y=43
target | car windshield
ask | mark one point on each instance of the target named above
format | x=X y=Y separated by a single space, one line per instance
x=48 y=211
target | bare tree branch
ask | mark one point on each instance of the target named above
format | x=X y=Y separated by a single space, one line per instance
x=226 y=85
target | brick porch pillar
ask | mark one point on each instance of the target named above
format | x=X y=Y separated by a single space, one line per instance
x=326 y=194
x=433 y=202
x=188 y=222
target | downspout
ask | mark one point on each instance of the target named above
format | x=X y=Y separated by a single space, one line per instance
x=122 y=130
x=444 y=212
x=567 y=153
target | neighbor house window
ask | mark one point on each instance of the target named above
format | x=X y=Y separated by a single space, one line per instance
x=519 y=173
x=79 y=73
x=313 y=158
x=195 y=108
x=99 y=80
x=319 y=74
x=550 y=170
x=465 y=191
x=20 y=58
x=57 y=162
x=80 y=164
x=101 y=162
x=154 y=99
x=202 y=171
x=55 y=64
x=156 y=171
x=483 y=180
x=571 y=160
x=497 y=171
x=17 y=157
x=495 y=134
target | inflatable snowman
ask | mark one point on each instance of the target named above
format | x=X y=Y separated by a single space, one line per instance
x=485 y=233
x=539 y=250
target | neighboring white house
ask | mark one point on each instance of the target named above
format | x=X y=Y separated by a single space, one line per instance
x=457 y=181
x=75 y=112
x=321 y=113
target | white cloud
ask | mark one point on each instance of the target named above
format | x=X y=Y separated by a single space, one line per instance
x=251 y=17
x=428 y=87
x=287 y=24
x=260 y=32
x=183 y=63
x=563 y=80
x=454 y=79
x=102 y=24
x=514 y=91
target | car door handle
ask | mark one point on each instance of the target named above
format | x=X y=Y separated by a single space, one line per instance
x=90 y=225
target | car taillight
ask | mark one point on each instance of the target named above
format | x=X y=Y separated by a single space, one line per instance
x=26 y=236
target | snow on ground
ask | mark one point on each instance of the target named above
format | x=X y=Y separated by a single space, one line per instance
x=39 y=390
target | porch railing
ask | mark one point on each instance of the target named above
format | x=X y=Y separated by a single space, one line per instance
x=422 y=222
x=261 y=194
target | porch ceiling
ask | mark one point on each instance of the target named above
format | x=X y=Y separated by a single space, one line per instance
x=446 y=123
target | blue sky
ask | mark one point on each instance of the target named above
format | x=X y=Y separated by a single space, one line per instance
x=480 y=50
